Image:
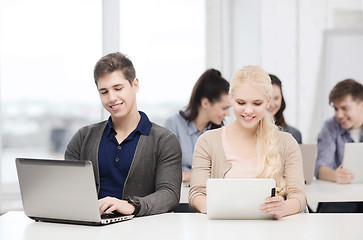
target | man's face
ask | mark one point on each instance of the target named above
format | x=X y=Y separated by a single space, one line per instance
x=349 y=113
x=117 y=95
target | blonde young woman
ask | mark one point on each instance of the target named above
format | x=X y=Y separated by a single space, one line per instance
x=250 y=147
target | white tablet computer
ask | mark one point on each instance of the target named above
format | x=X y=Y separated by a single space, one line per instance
x=353 y=160
x=238 y=198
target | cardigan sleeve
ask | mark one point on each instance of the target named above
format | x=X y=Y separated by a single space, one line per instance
x=293 y=170
x=201 y=170
x=155 y=175
x=73 y=151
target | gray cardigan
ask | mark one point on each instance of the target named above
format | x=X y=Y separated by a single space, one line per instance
x=154 y=178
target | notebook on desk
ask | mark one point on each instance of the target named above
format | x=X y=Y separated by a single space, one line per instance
x=238 y=198
x=308 y=153
x=353 y=160
x=61 y=191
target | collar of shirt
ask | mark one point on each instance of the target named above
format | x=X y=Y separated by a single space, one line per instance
x=192 y=129
x=361 y=134
x=143 y=127
x=346 y=132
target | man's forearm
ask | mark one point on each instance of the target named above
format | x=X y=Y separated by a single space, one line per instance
x=326 y=173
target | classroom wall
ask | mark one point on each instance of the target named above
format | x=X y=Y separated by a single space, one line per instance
x=287 y=39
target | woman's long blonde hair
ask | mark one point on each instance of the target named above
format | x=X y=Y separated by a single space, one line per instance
x=269 y=163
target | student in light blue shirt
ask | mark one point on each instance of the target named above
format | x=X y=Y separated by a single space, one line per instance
x=208 y=105
x=346 y=126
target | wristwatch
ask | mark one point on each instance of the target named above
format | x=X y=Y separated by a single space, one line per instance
x=136 y=203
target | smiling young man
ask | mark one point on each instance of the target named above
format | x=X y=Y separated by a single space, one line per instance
x=137 y=163
x=346 y=126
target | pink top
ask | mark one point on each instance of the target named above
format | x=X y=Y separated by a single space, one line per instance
x=241 y=167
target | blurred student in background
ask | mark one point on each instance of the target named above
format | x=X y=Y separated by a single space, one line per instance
x=346 y=126
x=207 y=108
x=278 y=106
x=250 y=147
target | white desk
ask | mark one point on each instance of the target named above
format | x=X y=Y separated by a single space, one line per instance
x=325 y=191
x=15 y=226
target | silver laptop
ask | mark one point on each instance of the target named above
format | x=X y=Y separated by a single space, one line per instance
x=353 y=160
x=308 y=152
x=238 y=198
x=61 y=191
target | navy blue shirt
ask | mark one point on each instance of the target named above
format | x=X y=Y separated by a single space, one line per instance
x=115 y=159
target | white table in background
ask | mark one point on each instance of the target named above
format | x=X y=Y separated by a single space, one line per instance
x=325 y=191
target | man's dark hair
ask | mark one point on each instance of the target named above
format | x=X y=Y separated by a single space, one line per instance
x=114 y=62
x=345 y=88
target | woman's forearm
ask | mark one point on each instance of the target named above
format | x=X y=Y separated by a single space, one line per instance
x=199 y=203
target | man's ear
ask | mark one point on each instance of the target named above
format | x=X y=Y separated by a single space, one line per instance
x=135 y=84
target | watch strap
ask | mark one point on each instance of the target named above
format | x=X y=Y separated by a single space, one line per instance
x=136 y=203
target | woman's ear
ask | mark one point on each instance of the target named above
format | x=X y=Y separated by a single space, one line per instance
x=204 y=102
x=268 y=103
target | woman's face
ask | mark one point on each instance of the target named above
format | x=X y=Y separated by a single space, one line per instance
x=218 y=110
x=275 y=103
x=249 y=105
